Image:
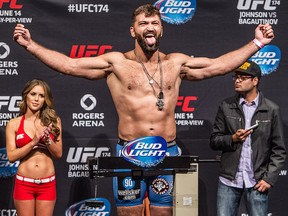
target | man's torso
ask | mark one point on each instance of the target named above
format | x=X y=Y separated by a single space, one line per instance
x=135 y=98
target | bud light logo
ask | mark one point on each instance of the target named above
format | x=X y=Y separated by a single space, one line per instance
x=86 y=207
x=145 y=151
x=7 y=169
x=175 y=11
x=268 y=58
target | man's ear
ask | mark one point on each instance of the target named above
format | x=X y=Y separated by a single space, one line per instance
x=256 y=81
x=132 y=31
x=161 y=32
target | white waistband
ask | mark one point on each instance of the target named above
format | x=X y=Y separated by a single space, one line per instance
x=36 y=181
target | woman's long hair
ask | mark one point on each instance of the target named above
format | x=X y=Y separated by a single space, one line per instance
x=47 y=113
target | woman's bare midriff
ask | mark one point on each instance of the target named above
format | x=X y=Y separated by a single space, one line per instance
x=38 y=164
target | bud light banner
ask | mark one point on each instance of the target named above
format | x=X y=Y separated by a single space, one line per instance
x=81 y=208
x=268 y=58
x=7 y=169
x=145 y=151
x=176 y=12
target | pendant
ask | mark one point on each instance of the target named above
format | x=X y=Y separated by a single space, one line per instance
x=160 y=104
x=151 y=81
x=160 y=101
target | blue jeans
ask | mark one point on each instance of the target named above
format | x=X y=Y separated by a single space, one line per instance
x=228 y=201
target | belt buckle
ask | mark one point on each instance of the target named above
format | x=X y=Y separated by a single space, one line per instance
x=37 y=181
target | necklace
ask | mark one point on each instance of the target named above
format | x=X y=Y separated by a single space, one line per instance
x=151 y=80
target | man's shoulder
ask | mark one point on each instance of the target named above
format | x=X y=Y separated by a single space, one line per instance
x=175 y=55
x=116 y=54
x=176 y=58
x=116 y=57
x=229 y=103
x=269 y=103
x=232 y=100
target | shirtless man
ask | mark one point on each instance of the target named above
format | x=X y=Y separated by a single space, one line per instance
x=144 y=84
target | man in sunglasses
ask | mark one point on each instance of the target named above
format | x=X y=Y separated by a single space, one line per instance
x=251 y=158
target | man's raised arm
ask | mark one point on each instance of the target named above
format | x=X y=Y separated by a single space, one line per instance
x=202 y=68
x=90 y=68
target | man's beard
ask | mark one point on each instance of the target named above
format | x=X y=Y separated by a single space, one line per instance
x=145 y=47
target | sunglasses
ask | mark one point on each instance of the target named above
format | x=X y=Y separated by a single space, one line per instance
x=241 y=78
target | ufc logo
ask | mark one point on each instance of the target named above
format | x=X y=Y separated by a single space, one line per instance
x=186 y=103
x=80 y=154
x=79 y=51
x=12 y=4
x=10 y=102
x=253 y=4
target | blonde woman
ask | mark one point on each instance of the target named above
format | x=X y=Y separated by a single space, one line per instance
x=34 y=138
